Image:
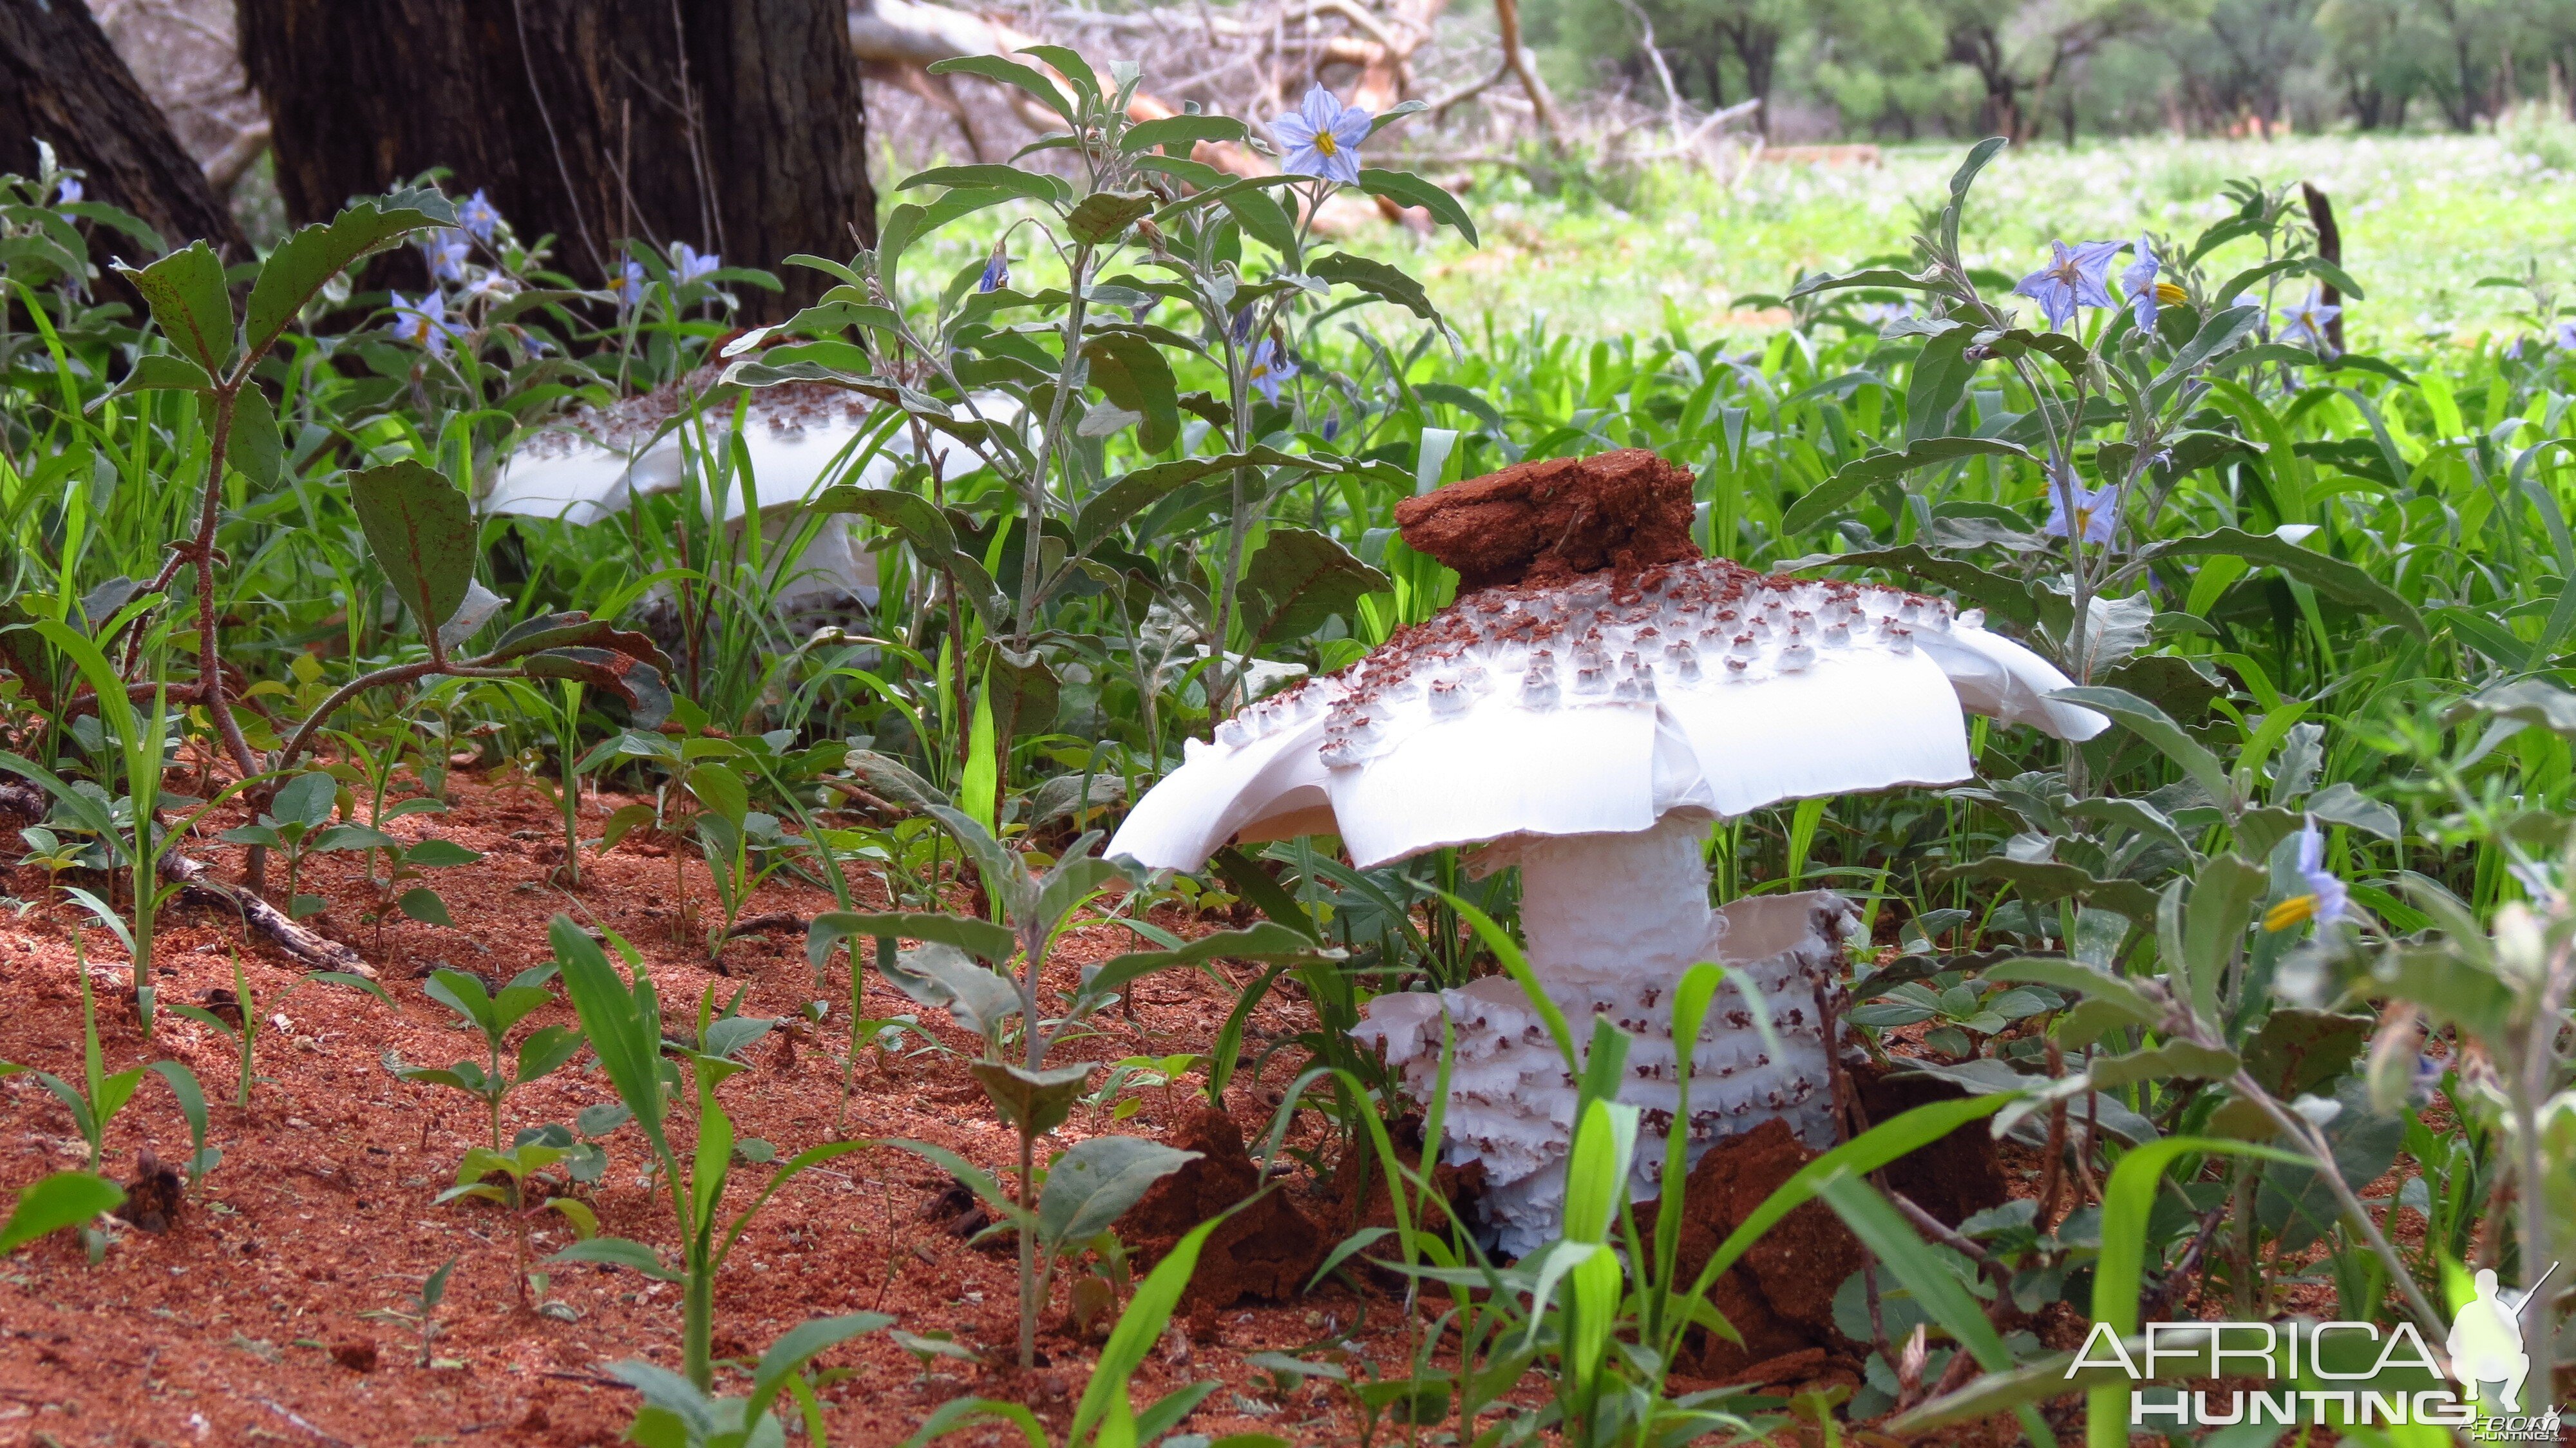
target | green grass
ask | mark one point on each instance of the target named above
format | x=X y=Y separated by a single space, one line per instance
x=2423 y=219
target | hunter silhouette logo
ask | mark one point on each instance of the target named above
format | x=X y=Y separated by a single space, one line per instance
x=2486 y=1342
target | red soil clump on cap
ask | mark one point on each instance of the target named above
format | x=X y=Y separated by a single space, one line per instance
x=1554 y=519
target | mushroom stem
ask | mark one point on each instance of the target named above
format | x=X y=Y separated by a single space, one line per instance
x=1611 y=923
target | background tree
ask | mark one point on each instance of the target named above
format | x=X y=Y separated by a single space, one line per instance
x=62 y=83
x=733 y=125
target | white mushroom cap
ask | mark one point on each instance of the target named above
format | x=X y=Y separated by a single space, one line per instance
x=1596 y=707
x=798 y=437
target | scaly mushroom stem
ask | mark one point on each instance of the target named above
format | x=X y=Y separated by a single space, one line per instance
x=1612 y=922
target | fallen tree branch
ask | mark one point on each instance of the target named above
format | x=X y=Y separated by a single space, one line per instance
x=265 y=919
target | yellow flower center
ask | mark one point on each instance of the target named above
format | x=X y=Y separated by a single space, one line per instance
x=2295 y=911
x=1326 y=145
x=2171 y=295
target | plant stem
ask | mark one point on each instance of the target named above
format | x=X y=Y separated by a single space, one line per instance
x=1028 y=1249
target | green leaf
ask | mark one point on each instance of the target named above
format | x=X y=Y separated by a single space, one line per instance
x=620 y=1023
x=1996 y=594
x=1942 y=371
x=1132 y=493
x=617 y=1252
x=1011 y=73
x=1028 y=185
x=1132 y=371
x=440 y=854
x=253 y=447
x=1092 y=1186
x=546 y=1050
x=1877 y=276
x=1885 y=465
x=1376 y=278
x=306 y=800
x=2214 y=921
x=1139 y=1328
x=1104 y=216
x=976 y=937
x=942 y=975
x=1299 y=579
x=1181 y=132
x=421 y=531
x=423 y=904
x=164 y=372
x=1265 y=940
x=2157 y=727
x=2067 y=975
x=1406 y=189
x=1263 y=219
x=65 y=1199
x=186 y=293
x=1892 y=1240
x=2331 y=576
x=2188 y=1059
x=1035 y=1102
x=2041 y=881
x=2223 y=330
x=298 y=269
x=800 y=1345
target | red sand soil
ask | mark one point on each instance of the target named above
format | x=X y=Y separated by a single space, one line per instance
x=246 y=1318
x=1547 y=521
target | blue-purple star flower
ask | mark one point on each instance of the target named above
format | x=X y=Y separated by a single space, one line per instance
x=1271 y=368
x=2094 y=517
x=1332 y=424
x=446 y=252
x=479 y=216
x=2563 y=336
x=687 y=266
x=1241 y=326
x=2303 y=323
x=2327 y=899
x=68 y=190
x=1323 y=137
x=2138 y=283
x=2076 y=276
x=628 y=286
x=423 y=323
x=997 y=270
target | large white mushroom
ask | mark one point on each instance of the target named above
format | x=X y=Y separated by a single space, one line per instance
x=798 y=438
x=1589 y=731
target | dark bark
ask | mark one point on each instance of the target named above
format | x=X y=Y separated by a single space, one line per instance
x=2330 y=247
x=62 y=83
x=733 y=125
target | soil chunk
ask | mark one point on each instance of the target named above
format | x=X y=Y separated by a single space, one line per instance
x=153 y=1198
x=1550 y=520
x=1265 y=1251
x=1780 y=1294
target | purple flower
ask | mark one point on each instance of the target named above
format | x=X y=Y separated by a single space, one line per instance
x=2094 y=517
x=2138 y=284
x=1323 y=137
x=479 y=216
x=1271 y=368
x=2327 y=899
x=424 y=323
x=68 y=190
x=628 y=286
x=2077 y=276
x=997 y=270
x=1332 y=424
x=2304 y=322
x=446 y=252
x=497 y=286
x=1137 y=312
x=687 y=266
x=2563 y=336
x=1242 y=324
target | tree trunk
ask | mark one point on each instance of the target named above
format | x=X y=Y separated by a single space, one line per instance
x=733 y=125
x=62 y=83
